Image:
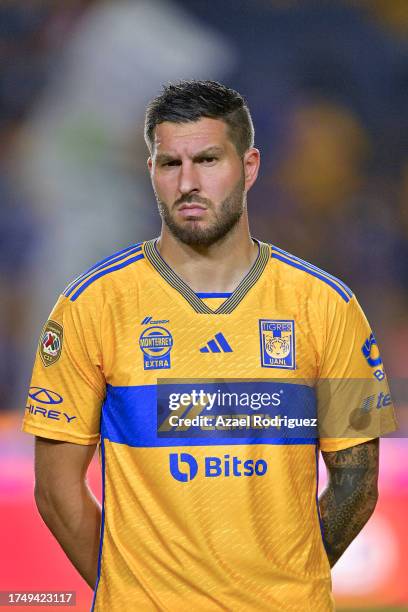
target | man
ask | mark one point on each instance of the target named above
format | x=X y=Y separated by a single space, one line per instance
x=202 y=363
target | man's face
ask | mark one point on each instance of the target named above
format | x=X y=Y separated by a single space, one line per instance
x=198 y=179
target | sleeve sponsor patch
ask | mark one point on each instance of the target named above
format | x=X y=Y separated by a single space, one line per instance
x=50 y=346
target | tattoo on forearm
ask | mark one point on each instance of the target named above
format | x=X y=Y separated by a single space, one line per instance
x=350 y=497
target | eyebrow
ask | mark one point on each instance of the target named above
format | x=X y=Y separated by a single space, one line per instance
x=164 y=158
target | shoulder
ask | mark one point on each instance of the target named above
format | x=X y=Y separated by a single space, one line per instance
x=307 y=277
x=106 y=276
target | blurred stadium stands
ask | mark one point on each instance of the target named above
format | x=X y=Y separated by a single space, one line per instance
x=327 y=84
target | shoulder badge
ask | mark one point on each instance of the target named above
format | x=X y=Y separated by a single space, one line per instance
x=50 y=346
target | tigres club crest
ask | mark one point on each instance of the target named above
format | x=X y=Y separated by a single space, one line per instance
x=277 y=343
x=51 y=343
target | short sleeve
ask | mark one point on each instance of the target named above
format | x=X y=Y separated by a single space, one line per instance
x=353 y=396
x=67 y=386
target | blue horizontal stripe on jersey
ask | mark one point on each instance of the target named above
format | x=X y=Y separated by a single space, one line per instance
x=313 y=267
x=213 y=295
x=103 y=273
x=100 y=266
x=135 y=415
x=326 y=280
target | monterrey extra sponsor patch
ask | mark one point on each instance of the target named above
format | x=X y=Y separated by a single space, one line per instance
x=50 y=346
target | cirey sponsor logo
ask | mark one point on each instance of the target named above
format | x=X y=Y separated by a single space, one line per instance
x=184 y=467
x=41 y=395
x=48 y=413
x=44 y=396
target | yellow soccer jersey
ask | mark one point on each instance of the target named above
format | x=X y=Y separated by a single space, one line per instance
x=210 y=411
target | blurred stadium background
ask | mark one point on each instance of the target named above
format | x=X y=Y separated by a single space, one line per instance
x=327 y=83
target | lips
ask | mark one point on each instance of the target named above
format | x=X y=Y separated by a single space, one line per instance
x=192 y=206
x=192 y=210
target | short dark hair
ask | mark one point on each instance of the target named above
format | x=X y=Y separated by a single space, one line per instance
x=187 y=101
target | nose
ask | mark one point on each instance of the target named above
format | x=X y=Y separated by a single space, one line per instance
x=188 y=178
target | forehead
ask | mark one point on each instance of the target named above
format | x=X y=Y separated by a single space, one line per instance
x=191 y=136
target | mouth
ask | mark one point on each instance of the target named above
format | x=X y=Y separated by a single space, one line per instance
x=192 y=206
x=192 y=210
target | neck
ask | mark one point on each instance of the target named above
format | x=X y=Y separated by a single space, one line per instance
x=217 y=268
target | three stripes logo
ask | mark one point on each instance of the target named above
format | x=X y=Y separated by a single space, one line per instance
x=218 y=344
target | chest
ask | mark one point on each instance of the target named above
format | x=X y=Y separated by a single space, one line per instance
x=154 y=333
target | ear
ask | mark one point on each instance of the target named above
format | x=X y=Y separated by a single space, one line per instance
x=252 y=160
x=150 y=165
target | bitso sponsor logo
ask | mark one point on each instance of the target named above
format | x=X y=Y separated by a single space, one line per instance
x=156 y=343
x=184 y=467
x=51 y=343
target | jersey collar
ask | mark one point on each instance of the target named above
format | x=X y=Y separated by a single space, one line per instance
x=168 y=274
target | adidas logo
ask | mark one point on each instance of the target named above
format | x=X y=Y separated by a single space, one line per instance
x=217 y=345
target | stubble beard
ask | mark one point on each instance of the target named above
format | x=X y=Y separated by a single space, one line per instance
x=190 y=232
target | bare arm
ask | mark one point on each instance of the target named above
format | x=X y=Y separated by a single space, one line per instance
x=66 y=503
x=350 y=497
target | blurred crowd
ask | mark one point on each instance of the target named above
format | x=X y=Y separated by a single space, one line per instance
x=327 y=84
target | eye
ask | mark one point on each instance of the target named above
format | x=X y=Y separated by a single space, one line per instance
x=208 y=159
x=172 y=163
